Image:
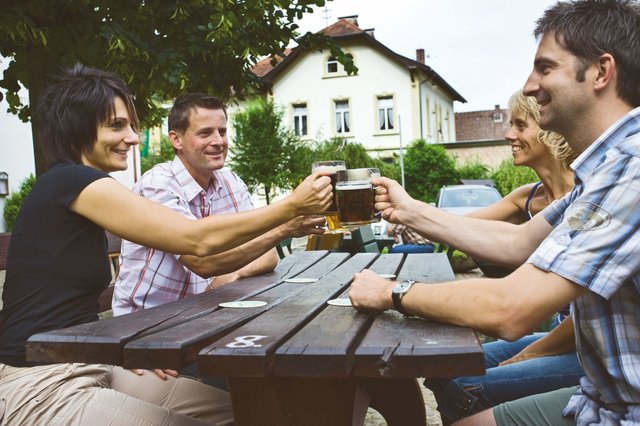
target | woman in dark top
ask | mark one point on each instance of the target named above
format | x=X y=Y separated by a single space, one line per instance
x=57 y=263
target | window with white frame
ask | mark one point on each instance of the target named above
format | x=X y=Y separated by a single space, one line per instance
x=342 y=117
x=300 y=119
x=385 y=113
x=332 y=65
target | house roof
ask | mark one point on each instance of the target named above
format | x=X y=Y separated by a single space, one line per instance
x=344 y=30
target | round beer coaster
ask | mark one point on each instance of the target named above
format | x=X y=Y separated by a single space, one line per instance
x=243 y=304
x=300 y=280
x=388 y=276
x=340 y=302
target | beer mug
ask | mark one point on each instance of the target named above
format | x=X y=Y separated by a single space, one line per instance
x=332 y=216
x=355 y=197
x=376 y=216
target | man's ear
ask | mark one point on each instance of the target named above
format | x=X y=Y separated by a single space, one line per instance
x=606 y=67
x=174 y=138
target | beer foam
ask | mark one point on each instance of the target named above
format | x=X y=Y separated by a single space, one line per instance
x=352 y=186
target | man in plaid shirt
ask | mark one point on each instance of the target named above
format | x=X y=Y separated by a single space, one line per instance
x=196 y=184
x=583 y=248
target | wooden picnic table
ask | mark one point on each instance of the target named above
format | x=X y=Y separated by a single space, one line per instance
x=295 y=360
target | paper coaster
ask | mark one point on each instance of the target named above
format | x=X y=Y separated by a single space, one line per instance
x=243 y=304
x=388 y=276
x=340 y=302
x=300 y=280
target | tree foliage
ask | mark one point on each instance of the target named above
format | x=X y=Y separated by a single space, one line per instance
x=160 y=48
x=353 y=154
x=14 y=202
x=473 y=170
x=166 y=154
x=508 y=177
x=263 y=150
x=427 y=168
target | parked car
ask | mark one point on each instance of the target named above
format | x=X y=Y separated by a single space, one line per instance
x=463 y=199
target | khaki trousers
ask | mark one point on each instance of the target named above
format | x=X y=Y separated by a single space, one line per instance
x=96 y=394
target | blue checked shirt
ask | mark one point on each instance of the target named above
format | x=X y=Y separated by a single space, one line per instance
x=596 y=244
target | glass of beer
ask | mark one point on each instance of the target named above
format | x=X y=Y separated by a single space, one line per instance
x=376 y=216
x=332 y=216
x=355 y=197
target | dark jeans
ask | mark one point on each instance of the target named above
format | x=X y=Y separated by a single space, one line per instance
x=412 y=248
x=464 y=396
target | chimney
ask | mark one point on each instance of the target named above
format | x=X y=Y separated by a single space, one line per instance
x=352 y=19
x=370 y=32
x=420 y=55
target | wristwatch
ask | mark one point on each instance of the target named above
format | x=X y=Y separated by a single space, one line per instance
x=398 y=293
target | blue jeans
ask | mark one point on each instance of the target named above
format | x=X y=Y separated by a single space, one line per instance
x=464 y=396
x=412 y=248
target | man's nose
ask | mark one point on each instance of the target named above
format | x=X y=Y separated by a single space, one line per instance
x=531 y=86
x=510 y=135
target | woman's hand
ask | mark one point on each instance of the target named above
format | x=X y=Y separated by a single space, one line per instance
x=313 y=195
x=162 y=373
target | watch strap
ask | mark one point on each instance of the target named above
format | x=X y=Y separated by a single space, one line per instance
x=396 y=297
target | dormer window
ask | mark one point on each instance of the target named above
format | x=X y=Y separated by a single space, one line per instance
x=332 y=65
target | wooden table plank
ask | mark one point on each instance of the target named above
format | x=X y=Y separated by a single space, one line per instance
x=102 y=341
x=178 y=346
x=248 y=350
x=328 y=341
x=399 y=346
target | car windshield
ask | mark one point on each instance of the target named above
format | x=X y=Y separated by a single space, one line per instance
x=472 y=197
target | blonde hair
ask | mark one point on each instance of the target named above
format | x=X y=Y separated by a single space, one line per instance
x=555 y=143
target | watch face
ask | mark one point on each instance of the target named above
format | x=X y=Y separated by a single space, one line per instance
x=402 y=287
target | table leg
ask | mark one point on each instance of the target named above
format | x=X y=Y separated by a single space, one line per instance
x=294 y=401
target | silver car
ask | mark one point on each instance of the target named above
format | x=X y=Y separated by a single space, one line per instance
x=463 y=199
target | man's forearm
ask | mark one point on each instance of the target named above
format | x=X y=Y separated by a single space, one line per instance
x=494 y=241
x=235 y=259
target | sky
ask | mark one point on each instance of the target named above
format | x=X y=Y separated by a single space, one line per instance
x=483 y=48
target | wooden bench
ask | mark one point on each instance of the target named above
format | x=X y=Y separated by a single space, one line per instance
x=104 y=301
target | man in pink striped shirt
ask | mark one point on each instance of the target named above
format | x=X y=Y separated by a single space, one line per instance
x=196 y=184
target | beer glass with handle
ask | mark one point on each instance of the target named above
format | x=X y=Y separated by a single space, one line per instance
x=355 y=197
x=332 y=216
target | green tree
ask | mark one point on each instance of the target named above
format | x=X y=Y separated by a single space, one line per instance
x=166 y=154
x=160 y=48
x=508 y=177
x=14 y=202
x=473 y=170
x=353 y=154
x=263 y=150
x=427 y=168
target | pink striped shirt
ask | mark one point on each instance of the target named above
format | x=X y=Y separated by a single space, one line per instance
x=150 y=277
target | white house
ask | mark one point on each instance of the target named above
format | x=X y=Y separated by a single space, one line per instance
x=391 y=100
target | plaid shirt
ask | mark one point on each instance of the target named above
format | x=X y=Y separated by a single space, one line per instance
x=408 y=235
x=150 y=277
x=596 y=244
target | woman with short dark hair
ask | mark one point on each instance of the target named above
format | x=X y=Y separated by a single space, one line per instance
x=57 y=264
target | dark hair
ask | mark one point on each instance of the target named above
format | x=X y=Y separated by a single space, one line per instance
x=184 y=104
x=72 y=108
x=590 y=28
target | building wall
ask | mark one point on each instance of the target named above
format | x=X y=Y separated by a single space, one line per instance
x=306 y=81
x=481 y=125
x=488 y=153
